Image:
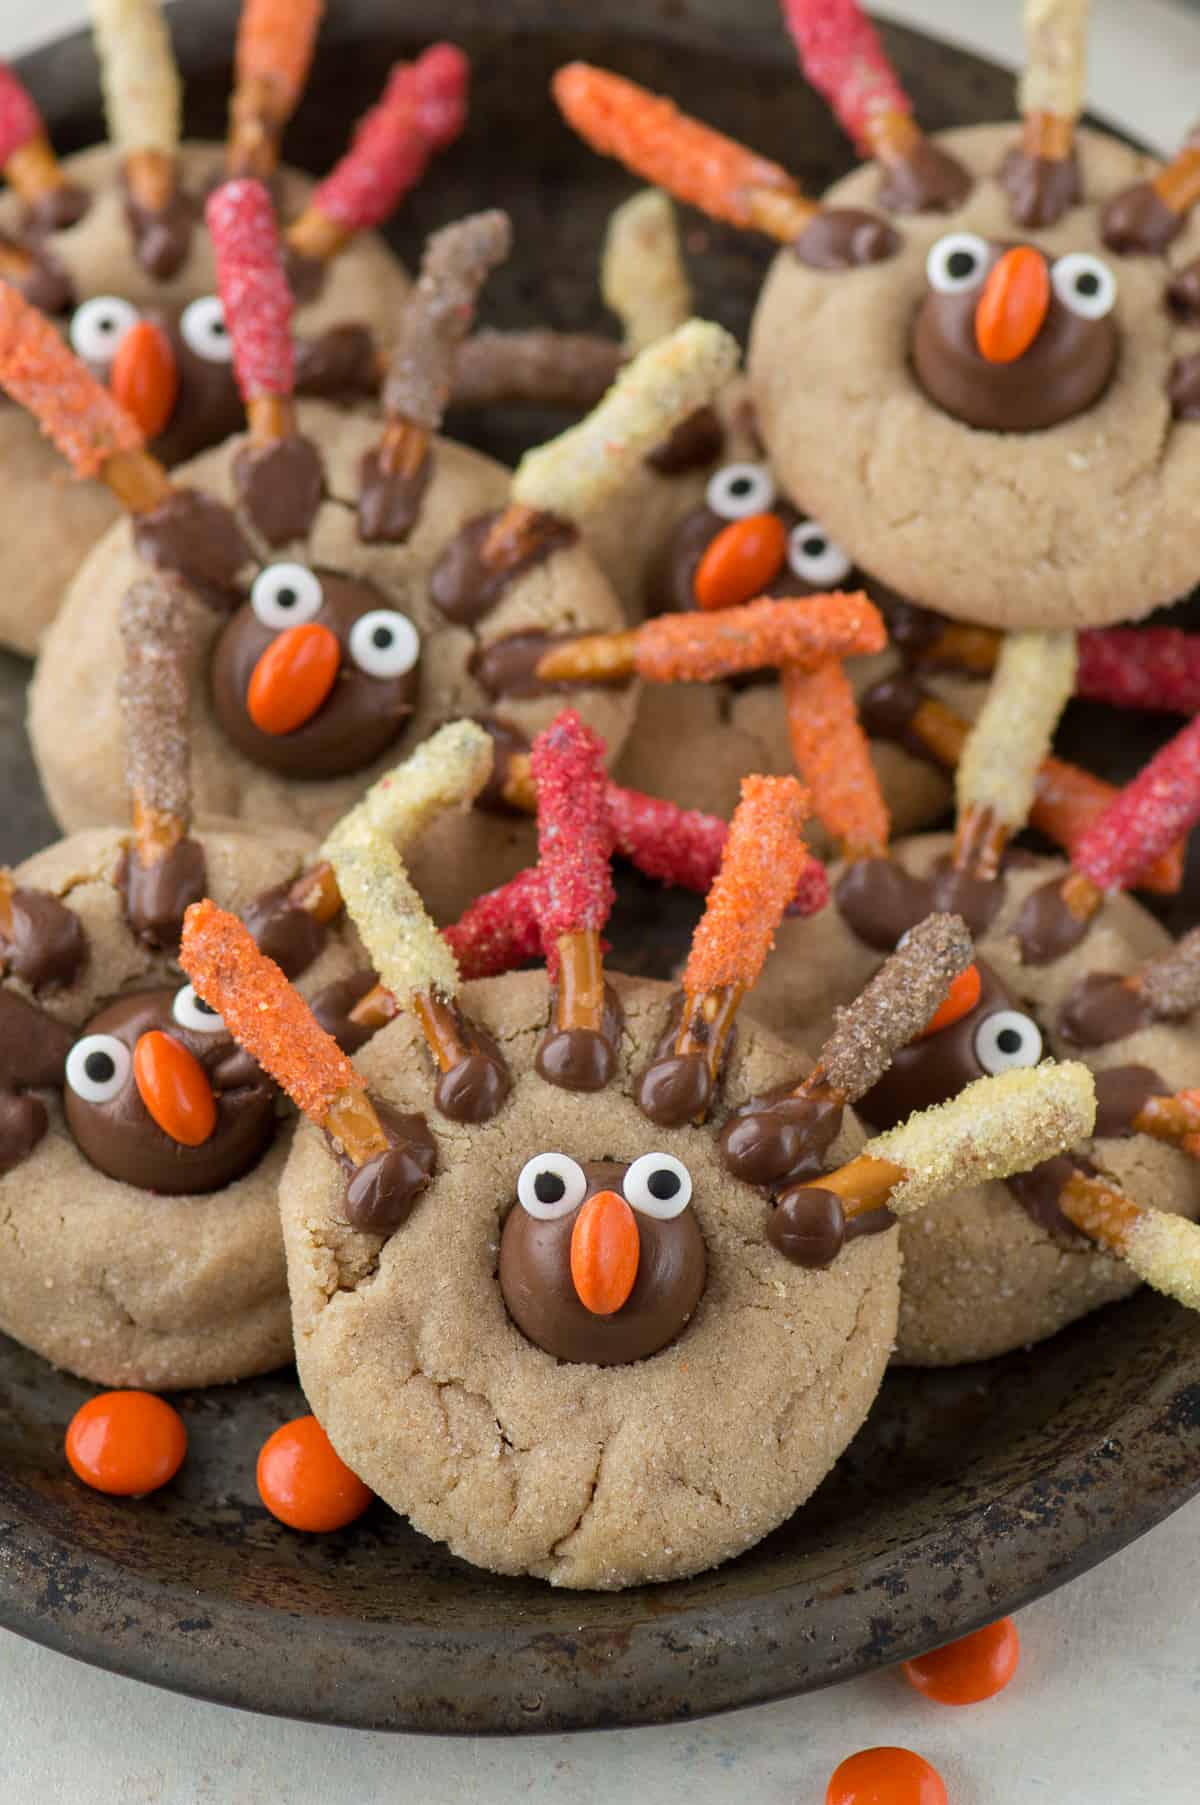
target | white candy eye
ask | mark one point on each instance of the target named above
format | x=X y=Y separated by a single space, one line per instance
x=737 y=490
x=99 y=325
x=191 y=1011
x=1085 y=284
x=659 y=1185
x=384 y=644
x=1006 y=1040
x=203 y=330
x=286 y=595
x=551 y=1185
x=98 y=1067
x=813 y=556
x=956 y=262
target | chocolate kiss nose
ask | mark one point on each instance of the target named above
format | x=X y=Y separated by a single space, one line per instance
x=145 y=377
x=605 y=1249
x=175 y=1088
x=1013 y=305
x=293 y=677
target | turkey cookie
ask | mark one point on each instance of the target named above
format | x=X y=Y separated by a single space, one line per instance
x=1064 y=964
x=579 y=1392
x=111 y=244
x=994 y=366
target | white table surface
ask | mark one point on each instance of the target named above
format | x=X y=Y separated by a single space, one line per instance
x=1105 y=1708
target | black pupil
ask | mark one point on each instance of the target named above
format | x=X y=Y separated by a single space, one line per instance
x=960 y=264
x=741 y=485
x=107 y=323
x=663 y=1184
x=813 y=548
x=99 y=1067
x=1087 y=283
x=286 y=598
x=1010 y=1040
x=202 y=1006
x=382 y=637
x=549 y=1187
x=218 y=327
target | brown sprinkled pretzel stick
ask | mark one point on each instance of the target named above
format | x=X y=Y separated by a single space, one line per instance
x=552 y=369
x=154 y=685
x=1170 y=984
x=143 y=96
x=893 y=1009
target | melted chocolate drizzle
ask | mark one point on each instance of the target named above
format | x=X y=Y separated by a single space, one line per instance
x=162 y=236
x=389 y=503
x=46 y=946
x=676 y=1088
x=1102 y=1007
x=339 y=363
x=156 y=897
x=929 y=180
x=780 y=1138
x=1040 y=189
x=382 y=1194
x=465 y=588
x=1046 y=928
x=290 y=935
x=582 y=1059
x=281 y=486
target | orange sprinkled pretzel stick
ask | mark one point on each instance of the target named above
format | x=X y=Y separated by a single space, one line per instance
x=270 y=1018
x=834 y=759
x=274 y=51
x=651 y=137
x=1178 y=184
x=75 y=411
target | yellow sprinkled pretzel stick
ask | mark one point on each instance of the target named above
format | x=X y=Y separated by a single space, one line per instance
x=1163 y=1250
x=143 y=96
x=642 y=277
x=1051 y=91
x=996 y=781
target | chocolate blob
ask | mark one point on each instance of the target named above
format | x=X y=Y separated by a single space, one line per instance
x=333 y=1004
x=357 y=722
x=162 y=236
x=1183 y=293
x=508 y=742
x=1138 y=221
x=473 y=1089
x=677 y=1088
x=389 y=502
x=694 y=442
x=122 y=1138
x=33 y=1046
x=808 y=1227
x=1040 y=189
x=338 y=364
x=290 y=935
x=156 y=897
x=1102 y=1007
x=23 y=1122
x=200 y=540
x=879 y=901
x=1037 y=1191
x=1183 y=387
x=58 y=207
x=1046 y=928
x=305 y=275
x=34 y=270
x=1064 y=371
x=508 y=667
x=845 y=238
x=581 y=1059
x=280 y=485
x=1122 y=1092
x=780 y=1138
x=45 y=944
x=928 y=180
x=465 y=588
x=539 y=1292
x=382 y=1194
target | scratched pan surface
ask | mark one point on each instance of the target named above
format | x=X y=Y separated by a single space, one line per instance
x=968 y=1492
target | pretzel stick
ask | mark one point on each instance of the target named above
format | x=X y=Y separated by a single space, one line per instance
x=143 y=95
x=157 y=639
x=258 y=305
x=1051 y=91
x=271 y=62
x=1130 y=667
x=841 y=55
x=575 y=843
x=30 y=166
x=834 y=759
x=642 y=277
x=553 y=369
x=1163 y=1250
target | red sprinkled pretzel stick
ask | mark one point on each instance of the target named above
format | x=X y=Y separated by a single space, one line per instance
x=1128 y=667
x=75 y=411
x=258 y=304
x=274 y=50
x=575 y=843
x=841 y=55
x=30 y=166
x=760 y=867
x=422 y=111
x=651 y=137
x=834 y=759
x=270 y=1018
x=1161 y=803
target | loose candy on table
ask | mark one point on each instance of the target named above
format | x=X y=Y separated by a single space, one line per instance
x=254 y=289
x=974 y=1668
x=126 y=1443
x=834 y=759
x=143 y=94
x=157 y=639
x=304 y=1483
x=642 y=278
x=886 y=1776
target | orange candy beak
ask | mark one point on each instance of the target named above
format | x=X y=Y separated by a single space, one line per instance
x=293 y=677
x=605 y=1249
x=961 y=998
x=738 y=564
x=1013 y=305
x=175 y=1088
x=145 y=377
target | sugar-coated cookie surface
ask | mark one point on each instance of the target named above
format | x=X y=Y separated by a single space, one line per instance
x=583 y=1475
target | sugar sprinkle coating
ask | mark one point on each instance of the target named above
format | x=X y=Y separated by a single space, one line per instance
x=423 y=109
x=263 y=1012
x=445 y=771
x=439 y=313
x=642 y=277
x=575 y=473
x=1171 y=983
x=575 y=832
x=842 y=57
x=993 y=1128
x=404 y=945
x=501 y=929
x=143 y=95
x=896 y=1005
x=1140 y=667
x=1032 y=683
x=275 y=43
x=19 y=118
x=154 y=691
x=1055 y=72
x=833 y=757
x=253 y=286
x=760 y=866
x=1164 y=1251
x=696 y=647
x=1146 y=817
x=75 y=411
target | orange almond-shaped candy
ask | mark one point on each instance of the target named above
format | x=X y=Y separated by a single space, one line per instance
x=175 y=1088
x=605 y=1249
x=1014 y=302
x=145 y=377
x=960 y=999
x=739 y=563
x=293 y=677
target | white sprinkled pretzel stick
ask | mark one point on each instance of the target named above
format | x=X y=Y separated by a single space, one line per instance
x=1162 y=1249
x=404 y=945
x=1054 y=81
x=447 y=770
x=143 y=95
x=642 y=277
x=997 y=775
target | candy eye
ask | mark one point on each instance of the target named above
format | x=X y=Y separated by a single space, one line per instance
x=98 y=327
x=203 y=330
x=1085 y=284
x=814 y=557
x=551 y=1185
x=737 y=490
x=956 y=262
x=286 y=595
x=98 y=1067
x=1007 y=1040
x=384 y=644
x=191 y=1011
x=659 y=1185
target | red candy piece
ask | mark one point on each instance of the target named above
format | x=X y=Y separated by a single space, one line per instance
x=423 y=109
x=1140 y=667
x=253 y=286
x=500 y=930
x=886 y=1776
x=1146 y=817
x=575 y=832
x=304 y=1483
x=969 y=1670
x=19 y=118
x=842 y=57
x=126 y=1443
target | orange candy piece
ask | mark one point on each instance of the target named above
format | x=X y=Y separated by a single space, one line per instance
x=969 y=1670
x=961 y=998
x=738 y=564
x=293 y=677
x=304 y=1483
x=126 y=1443
x=1014 y=302
x=605 y=1250
x=144 y=377
x=175 y=1088
x=886 y=1776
